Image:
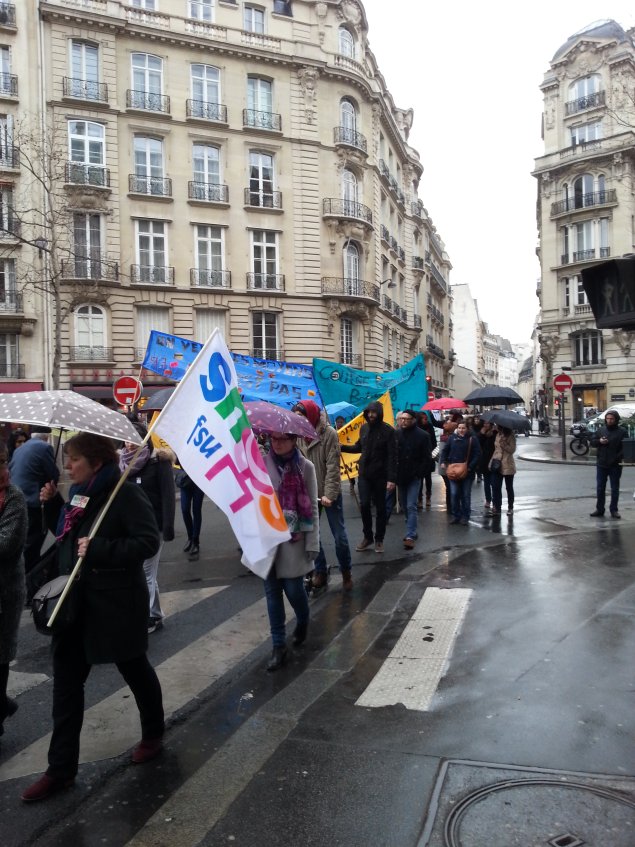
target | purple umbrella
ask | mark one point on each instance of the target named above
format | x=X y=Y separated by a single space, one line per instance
x=265 y=417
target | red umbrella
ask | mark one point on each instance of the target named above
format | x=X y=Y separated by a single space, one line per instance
x=443 y=404
x=266 y=417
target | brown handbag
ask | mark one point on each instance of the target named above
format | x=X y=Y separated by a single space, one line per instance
x=458 y=470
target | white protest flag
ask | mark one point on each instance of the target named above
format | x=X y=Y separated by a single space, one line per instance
x=205 y=422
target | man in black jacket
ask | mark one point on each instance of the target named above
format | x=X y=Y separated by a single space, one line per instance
x=377 y=473
x=414 y=455
x=608 y=440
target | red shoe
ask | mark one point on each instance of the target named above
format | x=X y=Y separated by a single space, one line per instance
x=146 y=750
x=45 y=787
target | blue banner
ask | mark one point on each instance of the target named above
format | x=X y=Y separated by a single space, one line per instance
x=407 y=385
x=170 y=355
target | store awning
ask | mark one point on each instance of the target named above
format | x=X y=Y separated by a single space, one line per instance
x=19 y=387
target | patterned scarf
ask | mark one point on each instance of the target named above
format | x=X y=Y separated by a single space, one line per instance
x=294 y=498
x=125 y=457
x=103 y=480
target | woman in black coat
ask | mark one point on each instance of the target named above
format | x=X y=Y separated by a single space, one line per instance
x=112 y=603
x=423 y=422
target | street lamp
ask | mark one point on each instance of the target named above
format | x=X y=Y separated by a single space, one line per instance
x=390 y=282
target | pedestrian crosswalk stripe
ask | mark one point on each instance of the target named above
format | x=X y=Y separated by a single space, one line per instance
x=112 y=725
x=411 y=672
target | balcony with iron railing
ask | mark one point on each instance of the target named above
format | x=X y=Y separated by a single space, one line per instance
x=394 y=246
x=434 y=348
x=416 y=321
x=416 y=209
x=7 y=16
x=386 y=303
x=93 y=268
x=584 y=201
x=81 y=173
x=417 y=264
x=389 y=365
x=350 y=138
x=150 y=186
x=350 y=209
x=147 y=101
x=84 y=89
x=401 y=197
x=436 y=245
x=350 y=287
x=152 y=274
x=10 y=302
x=267 y=353
x=255 y=119
x=12 y=370
x=205 y=111
x=401 y=255
x=384 y=234
x=263 y=199
x=265 y=282
x=437 y=276
x=384 y=170
x=207 y=192
x=393 y=183
x=203 y=278
x=8 y=85
x=90 y=354
x=9 y=157
x=354 y=360
x=589 y=101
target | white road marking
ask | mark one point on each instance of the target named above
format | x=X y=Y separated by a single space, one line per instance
x=411 y=672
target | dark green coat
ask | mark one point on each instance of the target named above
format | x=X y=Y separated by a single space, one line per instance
x=113 y=595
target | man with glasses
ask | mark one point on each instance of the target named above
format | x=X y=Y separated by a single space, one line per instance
x=414 y=454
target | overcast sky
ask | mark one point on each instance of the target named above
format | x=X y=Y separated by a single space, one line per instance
x=471 y=72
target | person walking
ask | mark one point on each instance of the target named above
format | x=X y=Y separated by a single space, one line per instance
x=152 y=470
x=414 y=456
x=503 y=468
x=610 y=452
x=460 y=447
x=191 y=499
x=112 y=603
x=377 y=446
x=17 y=438
x=324 y=452
x=424 y=423
x=294 y=480
x=13 y=527
x=487 y=441
x=31 y=467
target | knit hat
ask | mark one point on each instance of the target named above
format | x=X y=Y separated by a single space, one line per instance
x=310 y=410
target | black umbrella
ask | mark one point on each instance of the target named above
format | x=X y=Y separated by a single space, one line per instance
x=491 y=395
x=158 y=399
x=507 y=419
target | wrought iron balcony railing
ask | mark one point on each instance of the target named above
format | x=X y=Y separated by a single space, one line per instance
x=154 y=186
x=417 y=263
x=584 y=201
x=354 y=360
x=80 y=173
x=605 y=252
x=208 y=192
x=384 y=234
x=589 y=101
x=152 y=274
x=90 y=354
x=263 y=199
x=350 y=287
x=416 y=209
x=345 y=135
x=394 y=246
x=9 y=157
x=383 y=169
x=416 y=321
x=389 y=365
x=346 y=209
x=90 y=267
x=434 y=348
x=206 y=111
x=438 y=278
x=85 y=89
x=267 y=353
x=265 y=282
x=583 y=255
x=12 y=370
x=9 y=84
x=147 y=101
x=204 y=278
x=401 y=255
x=255 y=119
x=7 y=14
x=10 y=301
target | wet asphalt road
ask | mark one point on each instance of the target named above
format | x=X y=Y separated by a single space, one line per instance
x=538 y=690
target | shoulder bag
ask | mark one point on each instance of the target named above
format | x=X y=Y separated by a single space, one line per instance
x=44 y=602
x=459 y=470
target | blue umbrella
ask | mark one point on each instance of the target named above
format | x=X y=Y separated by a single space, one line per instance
x=346 y=410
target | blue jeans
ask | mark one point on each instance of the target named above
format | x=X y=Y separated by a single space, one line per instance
x=613 y=475
x=461 y=494
x=335 y=517
x=296 y=594
x=408 y=496
x=192 y=511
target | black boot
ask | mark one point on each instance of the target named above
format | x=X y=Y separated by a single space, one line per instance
x=299 y=636
x=188 y=546
x=278 y=658
x=193 y=557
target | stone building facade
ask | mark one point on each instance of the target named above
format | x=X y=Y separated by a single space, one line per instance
x=586 y=208
x=211 y=163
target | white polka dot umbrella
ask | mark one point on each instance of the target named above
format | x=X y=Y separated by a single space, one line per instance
x=266 y=417
x=67 y=410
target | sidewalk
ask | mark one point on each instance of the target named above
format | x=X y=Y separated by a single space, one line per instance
x=548 y=448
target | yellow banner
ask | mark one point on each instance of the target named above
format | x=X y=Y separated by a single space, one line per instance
x=349 y=434
x=158 y=442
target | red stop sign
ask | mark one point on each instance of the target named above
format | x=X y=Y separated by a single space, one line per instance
x=562 y=382
x=431 y=395
x=127 y=390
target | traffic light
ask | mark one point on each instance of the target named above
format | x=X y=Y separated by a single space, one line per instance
x=556 y=402
x=428 y=381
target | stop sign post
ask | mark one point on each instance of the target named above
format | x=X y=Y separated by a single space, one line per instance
x=561 y=383
x=127 y=390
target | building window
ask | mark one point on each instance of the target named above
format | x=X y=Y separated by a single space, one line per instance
x=586 y=132
x=346 y=43
x=261 y=176
x=205 y=81
x=351 y=270
x=346 y=341
x=90 y=331
x=207 y=320
x=206 y=164
x=9 y=355
x=7 y=83
x=584 y=87
x=148 y=5
x=84 y=62
x=152 y=251
x=147 y=82
x=87 y=153
x=254 y=20
x=8 y=288
x=588 y=348
x=264 y=258
x=148 y=166
x=259 y=94
x=202 y=10
x=8 y=156
x=349 y=193
x=147 y=319
x=87 y=243
x=8 y=222
x=265 y=335
x=209 y=254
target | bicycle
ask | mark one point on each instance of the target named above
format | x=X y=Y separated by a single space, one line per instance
x=580 y=444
